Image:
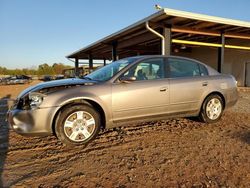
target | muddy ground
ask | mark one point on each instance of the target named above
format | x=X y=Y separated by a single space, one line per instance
x=173 y=153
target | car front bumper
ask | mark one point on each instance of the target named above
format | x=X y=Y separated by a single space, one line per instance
x=32 y=122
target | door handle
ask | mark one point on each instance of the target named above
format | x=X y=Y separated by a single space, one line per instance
x=163 y=89
x=204 y=83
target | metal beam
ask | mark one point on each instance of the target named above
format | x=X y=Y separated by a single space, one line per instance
x=209 y=33
x=76 y=67
x=203 y=25
x=221 y=52
x=233 y=28
x=114 y=50
x=237 y=47
x=195 y=43
x=219 y=27
x=193 y=31
x=188 y=23
x=177 y=41
x=143 y=38
x=237 y=36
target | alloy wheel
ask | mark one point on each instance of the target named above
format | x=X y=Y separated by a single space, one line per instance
x=79 y=126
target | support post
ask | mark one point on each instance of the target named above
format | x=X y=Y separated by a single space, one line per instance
x=90 y=63
x=168 y=40
x=104 y=61
x=221 y=53
x=114 y=51
x=76 y=67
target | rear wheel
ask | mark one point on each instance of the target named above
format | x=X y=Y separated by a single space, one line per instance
x=212 y=109
x=77 y=125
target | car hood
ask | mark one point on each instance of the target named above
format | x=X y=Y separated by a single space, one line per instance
x=56 y=83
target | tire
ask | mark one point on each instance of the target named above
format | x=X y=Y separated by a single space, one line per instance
x=212 y=109
x=77 y=125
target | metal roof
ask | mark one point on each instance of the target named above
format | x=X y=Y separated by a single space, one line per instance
x=136 y=39
x=207 y=18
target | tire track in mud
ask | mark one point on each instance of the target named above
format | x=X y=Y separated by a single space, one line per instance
x=54 y=156
x=53 y=151
x=70 y=157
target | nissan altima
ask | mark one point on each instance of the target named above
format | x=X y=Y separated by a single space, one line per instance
x=134 y=89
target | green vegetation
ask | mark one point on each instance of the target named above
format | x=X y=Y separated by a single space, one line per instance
x=43 y=69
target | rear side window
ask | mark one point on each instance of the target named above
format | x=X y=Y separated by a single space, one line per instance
x=203 y=70
x=184 y=68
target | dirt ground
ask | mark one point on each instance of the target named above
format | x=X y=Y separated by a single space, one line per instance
x=173 y=153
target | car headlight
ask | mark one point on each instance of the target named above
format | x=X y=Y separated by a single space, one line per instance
x=36 y=99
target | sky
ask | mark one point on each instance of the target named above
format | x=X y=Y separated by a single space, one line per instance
x=33 y=32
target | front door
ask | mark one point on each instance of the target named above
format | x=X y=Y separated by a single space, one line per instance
x=148 y=95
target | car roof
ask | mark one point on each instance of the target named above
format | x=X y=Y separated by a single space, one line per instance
x=140 y=57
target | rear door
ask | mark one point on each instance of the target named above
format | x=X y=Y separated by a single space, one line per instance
x=146 y=96
x=188 y=81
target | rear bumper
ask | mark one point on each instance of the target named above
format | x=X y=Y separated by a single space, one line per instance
x=32 y=122
x=231 y=98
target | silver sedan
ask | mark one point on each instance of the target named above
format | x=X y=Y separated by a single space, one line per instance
x=135 y=89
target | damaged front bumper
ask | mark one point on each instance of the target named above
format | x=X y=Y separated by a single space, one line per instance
x=32 y=122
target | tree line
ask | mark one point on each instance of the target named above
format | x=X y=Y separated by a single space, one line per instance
x=43 y=69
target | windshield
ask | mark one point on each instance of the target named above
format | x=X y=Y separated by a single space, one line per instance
x=107 y=72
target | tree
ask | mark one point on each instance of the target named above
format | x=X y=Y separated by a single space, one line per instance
x=58 y=68
x=3 y=70
x=45 y=69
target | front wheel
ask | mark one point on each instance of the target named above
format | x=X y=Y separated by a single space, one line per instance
x=212 y=109
x=77 y=125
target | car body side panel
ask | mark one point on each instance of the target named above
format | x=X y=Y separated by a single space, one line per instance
x=186 y=93
x=100 y=94
x=189 y=94
x=139 y=98
x=222 y=84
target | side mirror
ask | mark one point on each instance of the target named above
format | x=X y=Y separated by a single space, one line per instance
x=126 y=79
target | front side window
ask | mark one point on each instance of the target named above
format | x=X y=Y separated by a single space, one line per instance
x=150 y=69
x=107 y=72
x=183 y=68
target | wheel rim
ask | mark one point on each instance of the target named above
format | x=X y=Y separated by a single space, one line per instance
x=213 y=108
x=79 y=126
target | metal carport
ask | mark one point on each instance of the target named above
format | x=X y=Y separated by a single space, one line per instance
x=166 y=32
